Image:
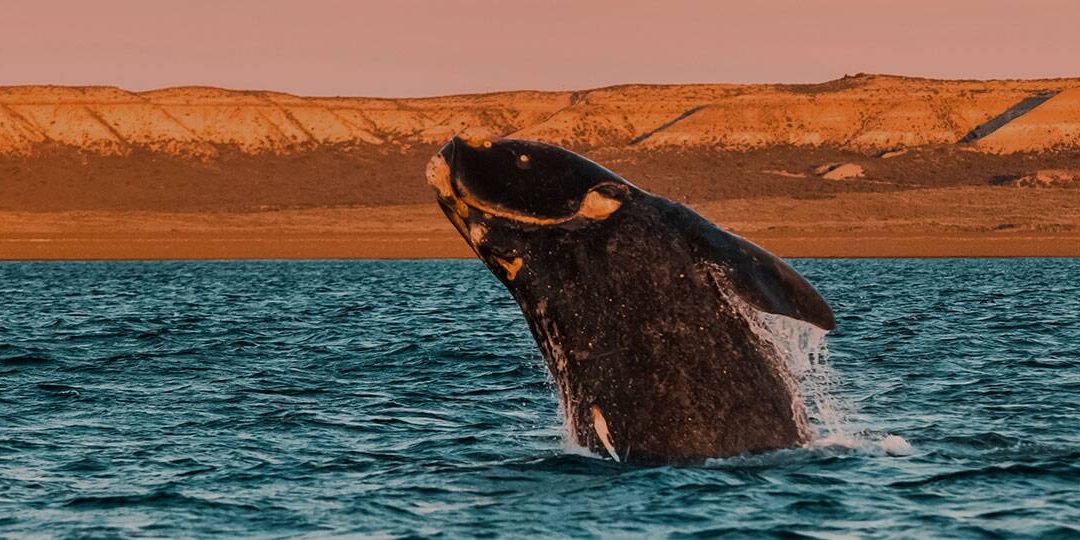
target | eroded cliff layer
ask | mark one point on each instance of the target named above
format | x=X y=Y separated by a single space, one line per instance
x=864 y=113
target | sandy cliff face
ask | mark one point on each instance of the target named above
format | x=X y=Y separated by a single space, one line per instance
x=195 y=121
x=862 y=113
x=1055 y=124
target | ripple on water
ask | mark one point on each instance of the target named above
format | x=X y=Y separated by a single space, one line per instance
x=407 y=398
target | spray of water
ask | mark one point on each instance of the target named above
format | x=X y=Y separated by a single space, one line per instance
x=805 y=354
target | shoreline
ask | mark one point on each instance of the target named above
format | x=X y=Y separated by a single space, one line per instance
x=910 y=224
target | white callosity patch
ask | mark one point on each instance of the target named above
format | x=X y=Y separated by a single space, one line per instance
x=438 y=176
x=511 y=266
x=597 y=206
x=477 y=232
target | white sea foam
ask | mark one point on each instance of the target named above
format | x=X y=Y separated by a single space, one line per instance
x=571 y=447
x=895 y=445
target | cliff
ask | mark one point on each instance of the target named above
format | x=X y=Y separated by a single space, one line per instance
x=862 y=166
x=864 y=113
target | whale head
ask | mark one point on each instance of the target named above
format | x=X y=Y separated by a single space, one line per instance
x=498 y=192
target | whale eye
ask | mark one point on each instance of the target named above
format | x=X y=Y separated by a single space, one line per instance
x=523 y=161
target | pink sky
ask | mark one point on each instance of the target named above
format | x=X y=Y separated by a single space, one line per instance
x=415 y=48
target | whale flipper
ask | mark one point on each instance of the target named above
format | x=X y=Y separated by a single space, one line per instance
x=758 y=277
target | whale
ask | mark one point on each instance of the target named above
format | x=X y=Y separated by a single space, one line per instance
x=648 y=316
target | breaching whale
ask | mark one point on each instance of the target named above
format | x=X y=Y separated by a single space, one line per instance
x=643 y=310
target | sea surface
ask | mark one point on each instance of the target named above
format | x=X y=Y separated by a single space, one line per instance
x=407 y=399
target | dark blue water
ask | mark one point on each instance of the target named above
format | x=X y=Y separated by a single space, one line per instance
x=407 y=398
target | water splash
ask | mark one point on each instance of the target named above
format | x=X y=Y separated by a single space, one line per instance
x=805 y=353
x=571 y=447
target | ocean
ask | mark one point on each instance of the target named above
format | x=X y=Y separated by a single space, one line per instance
x=407 y=399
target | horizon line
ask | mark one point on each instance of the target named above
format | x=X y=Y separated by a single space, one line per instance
x=860 y=75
